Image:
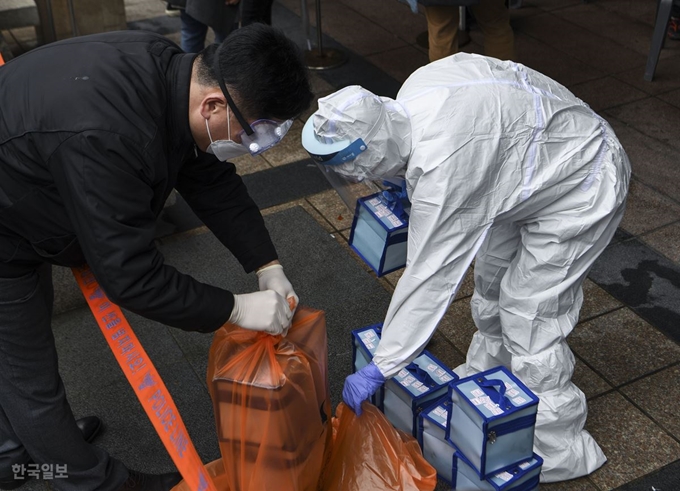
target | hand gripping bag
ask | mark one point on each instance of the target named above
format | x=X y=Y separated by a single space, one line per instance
x=369 y=454
x=272 y=406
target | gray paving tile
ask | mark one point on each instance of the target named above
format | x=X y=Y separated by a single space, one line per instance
x=652 y=117
x=672 y=97
x=658 y=396
x=606 y=92
x=652 y=161
x=666 y=240
x=161 y=24
x=666 y=76
x=333 y=209
x=596 y=301
x=588 y=47
x=457 y=325
x=612 y=25
x=284 y=183
x=557 y=65
x=320 y=88
x=634 y=10
x=395 y=17
x=35 y=485
x=400 y=63
x=143 y=9
x=581 y=484
x=247 y=164
x=442 y=349
x=633 y=444
x=525 y=11
x=647 y=209
x=67 y=295
x=588 y=381
x=351 y=29
x=666 y=478
x=85 y=360
x=644 y=280
x=622 y=347
x=129 y=435
x=289 y=150
x=548 y=5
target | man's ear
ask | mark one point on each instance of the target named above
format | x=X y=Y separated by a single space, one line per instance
x=212 y=103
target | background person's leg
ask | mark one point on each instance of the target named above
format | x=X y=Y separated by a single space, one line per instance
x=487 y=349
x=493 y=18
x=32 y=395
x=192 y=35
x=257 y=11
x=442 y=30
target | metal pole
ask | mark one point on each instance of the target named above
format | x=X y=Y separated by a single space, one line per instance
x=305 y=23
x=72 y=13
x=319 y=35
x=50 y=19
x=320 y=59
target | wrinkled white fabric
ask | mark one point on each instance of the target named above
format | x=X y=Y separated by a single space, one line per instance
x=354 y=112
x=508 y=166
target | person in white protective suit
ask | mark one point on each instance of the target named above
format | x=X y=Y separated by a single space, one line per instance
x=507 y=166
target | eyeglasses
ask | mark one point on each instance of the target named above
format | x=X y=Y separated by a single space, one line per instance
x=263 y=133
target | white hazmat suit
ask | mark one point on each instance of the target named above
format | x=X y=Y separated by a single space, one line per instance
x=508 y=167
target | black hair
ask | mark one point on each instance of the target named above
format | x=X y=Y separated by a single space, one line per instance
x=263 y=71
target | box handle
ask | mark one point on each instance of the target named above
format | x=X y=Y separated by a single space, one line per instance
x=497 y=395
x=422 y=375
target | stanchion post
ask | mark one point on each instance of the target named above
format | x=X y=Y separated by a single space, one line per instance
x=320 y=58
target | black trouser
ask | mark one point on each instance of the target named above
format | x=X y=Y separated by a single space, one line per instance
x=257 y=11
x=36 y=421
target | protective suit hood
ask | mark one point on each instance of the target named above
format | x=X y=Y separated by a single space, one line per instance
x=355 y=113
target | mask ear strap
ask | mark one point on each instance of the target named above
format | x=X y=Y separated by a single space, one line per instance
x=207 y=127
x=228 y=122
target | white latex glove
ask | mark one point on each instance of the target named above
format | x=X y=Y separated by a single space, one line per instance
x=262 y=311
x=273 y=278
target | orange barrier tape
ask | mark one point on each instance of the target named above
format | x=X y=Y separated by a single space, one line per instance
x=145 y=381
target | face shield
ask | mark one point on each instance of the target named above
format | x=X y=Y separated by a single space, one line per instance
x=262 y=134
x=358 y=140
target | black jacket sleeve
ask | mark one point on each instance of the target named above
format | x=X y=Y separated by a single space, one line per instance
x=220 y=199
x=108 y=190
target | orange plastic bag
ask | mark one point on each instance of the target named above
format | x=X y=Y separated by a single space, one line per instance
x=272 y=406
x=369 y=454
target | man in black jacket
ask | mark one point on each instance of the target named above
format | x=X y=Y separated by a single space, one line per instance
x=95 y=132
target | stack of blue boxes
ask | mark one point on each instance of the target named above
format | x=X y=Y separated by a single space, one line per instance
x=403 y=397
x=490 y=426
x=477 y=432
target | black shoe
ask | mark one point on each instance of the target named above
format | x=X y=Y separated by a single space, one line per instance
x=171 y=10
x=11 y=483
x=89 y=426
x=138 y=481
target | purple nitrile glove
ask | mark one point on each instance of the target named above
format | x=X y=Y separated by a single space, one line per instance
x=361 y=385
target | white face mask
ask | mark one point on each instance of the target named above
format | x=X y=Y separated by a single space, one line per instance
x=225 y=149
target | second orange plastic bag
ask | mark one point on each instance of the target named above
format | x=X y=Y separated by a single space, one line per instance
x=369 y=454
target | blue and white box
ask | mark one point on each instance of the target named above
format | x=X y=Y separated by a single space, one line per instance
x=364 y=343
x=379 y=235
x=494 y=416
x=413 y=389
x=436 y=449
x=523 y=476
